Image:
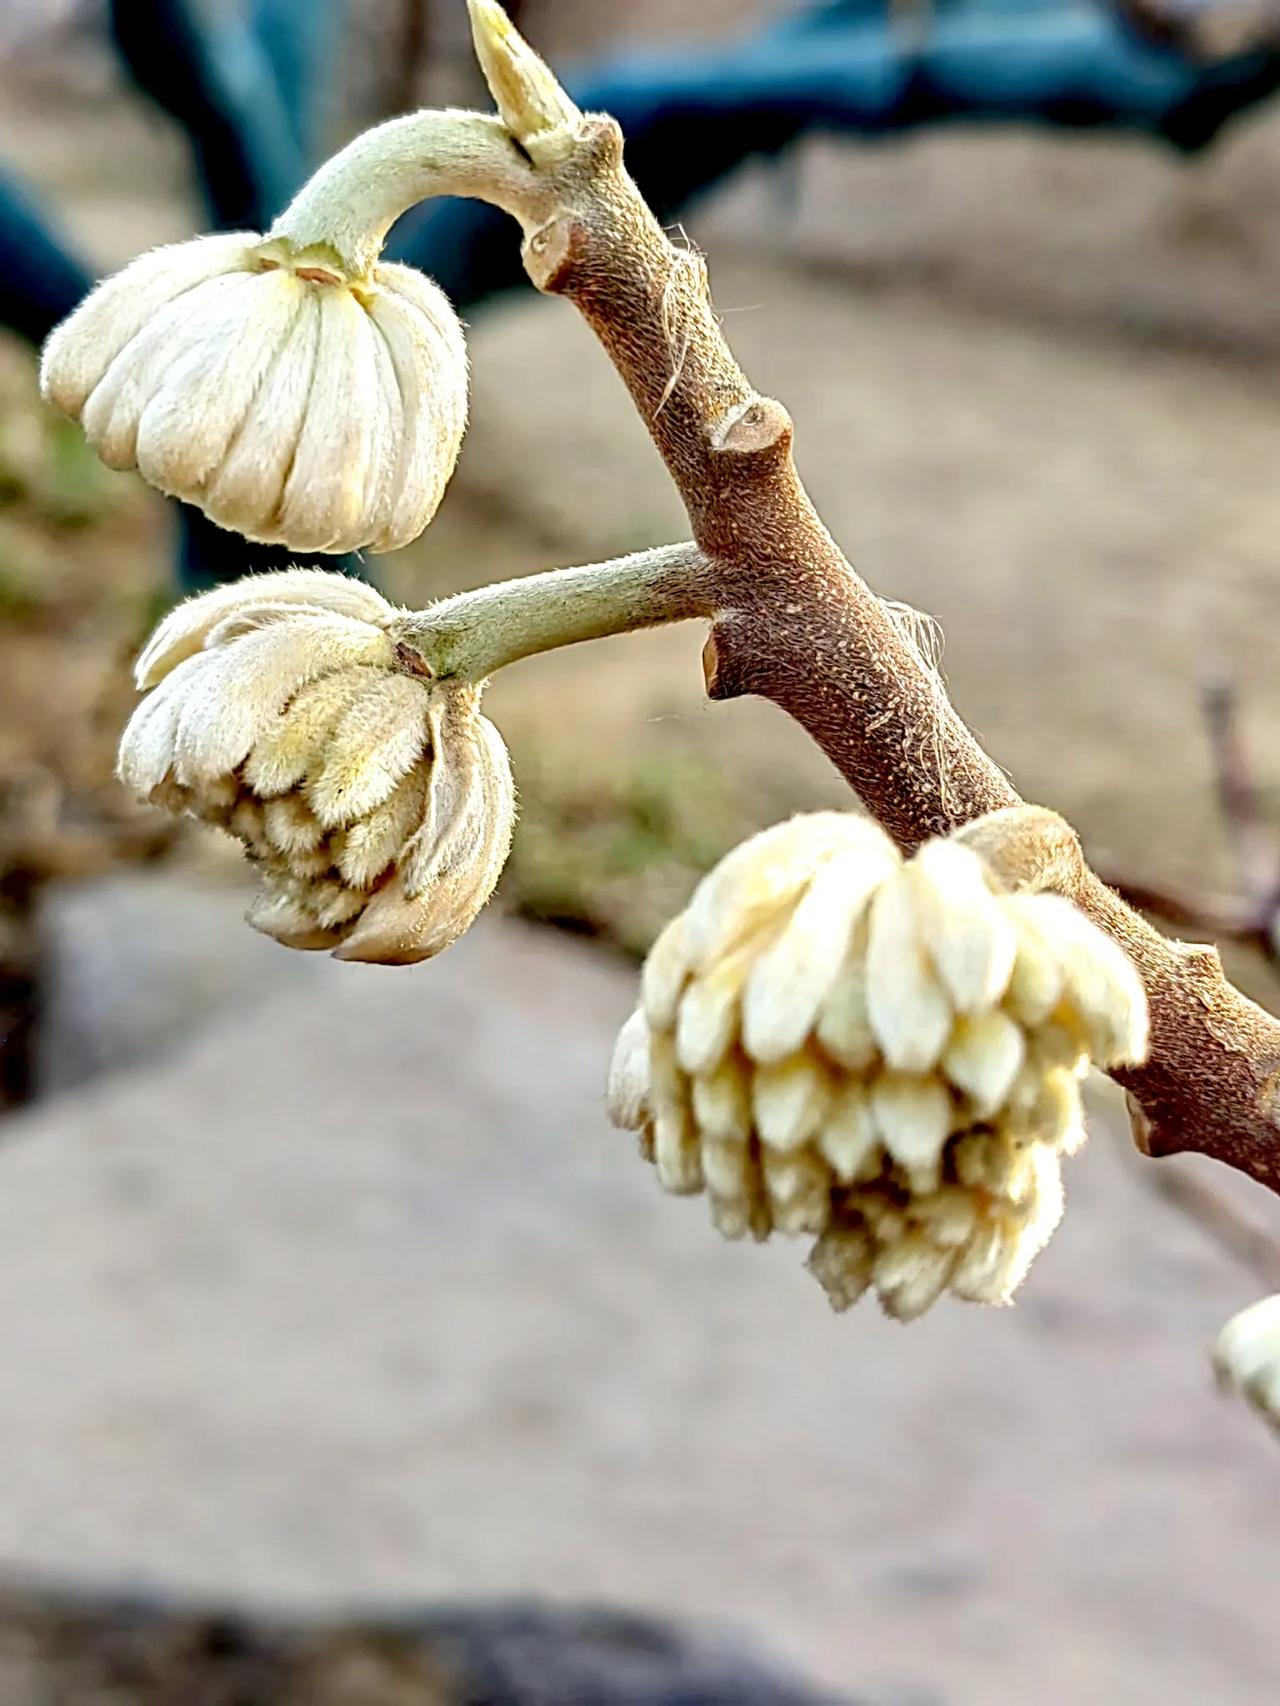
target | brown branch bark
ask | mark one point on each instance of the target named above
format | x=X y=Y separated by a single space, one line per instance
x=798 y=626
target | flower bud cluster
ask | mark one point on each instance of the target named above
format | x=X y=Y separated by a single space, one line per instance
x=883 y=1054
x=377 y=806
x=288 y=403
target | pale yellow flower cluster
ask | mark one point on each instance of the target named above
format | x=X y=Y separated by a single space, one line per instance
x=376 y=805
x=288 y=404
x=1247 y=1357
x=883 y=1054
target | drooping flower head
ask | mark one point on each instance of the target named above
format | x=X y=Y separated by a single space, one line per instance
x=376 y=805
x=884 y=1054
x=290 y=402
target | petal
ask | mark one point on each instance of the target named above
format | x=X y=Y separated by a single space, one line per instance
x=666 y=971
x=1037 y=980
x=209 y=393
x=677 y=1154
x=249 y=683
x=186 y=628
x=80 y=350
x=281 y=917
x=450 y=867
x=375 y=742
x=290 y=744
x=791 y=1101
x=386 y=442
x=246 y=492
x=987 y=1268
x=148 y=746
x=707 y=1023
x=323 y=504
x=799 y=1190
x=971 y=941
x=844 y=1026
x=849 y=1137
x=906 y=1004
x=911 y=1274
x=766 y=874
x=914 y=1117
x=111 y=415
x=792 y=979
x=366 y=850
x=841 y=1261
x=291 y=827
x=983 y=1058
x=627 y=1096
x=722 y=1101
x=428 y=354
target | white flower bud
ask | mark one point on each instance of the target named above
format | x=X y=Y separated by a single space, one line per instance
x=377 y=806
x=289 y=403
x=883 y=1054
x=1247 y=1357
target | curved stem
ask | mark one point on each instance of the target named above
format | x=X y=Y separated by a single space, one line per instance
x=351 y=203
x=475 y=633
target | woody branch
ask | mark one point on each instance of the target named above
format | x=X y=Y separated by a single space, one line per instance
x=794 y=623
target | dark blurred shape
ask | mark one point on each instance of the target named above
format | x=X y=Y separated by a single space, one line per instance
x=64 y=1653
x=249 y=94
x=691 y=118
x=209 y=70
x=40 y=280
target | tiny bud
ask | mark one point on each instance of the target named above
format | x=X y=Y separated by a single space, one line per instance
x=525 y=89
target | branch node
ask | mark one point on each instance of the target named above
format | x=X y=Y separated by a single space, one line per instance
x=551 y=251
x=753 y=428
x=723 y=678
x=1139 y=1124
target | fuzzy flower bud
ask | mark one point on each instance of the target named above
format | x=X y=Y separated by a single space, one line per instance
x=1247 y=1357
x=290 y=403
x=883 y=1054
x=377 y=806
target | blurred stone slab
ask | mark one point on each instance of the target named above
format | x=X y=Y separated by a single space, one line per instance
x=348 y=1295
x=62 y=1653
x=134 y=963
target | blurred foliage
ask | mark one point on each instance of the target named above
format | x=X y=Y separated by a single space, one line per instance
x=613 y=851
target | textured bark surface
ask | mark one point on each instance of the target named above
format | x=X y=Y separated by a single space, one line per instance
x=795 y=624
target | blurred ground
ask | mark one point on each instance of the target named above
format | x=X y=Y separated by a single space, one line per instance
x=1033 y=382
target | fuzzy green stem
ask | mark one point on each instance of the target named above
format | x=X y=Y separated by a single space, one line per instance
x=346 y=209
x=472 y=634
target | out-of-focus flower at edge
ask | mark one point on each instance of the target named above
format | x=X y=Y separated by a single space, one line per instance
x=1247 y=1357
x=376 y=805
x=291 y=404
x=883 y=1054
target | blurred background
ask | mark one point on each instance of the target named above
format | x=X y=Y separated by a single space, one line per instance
x=349 y=1357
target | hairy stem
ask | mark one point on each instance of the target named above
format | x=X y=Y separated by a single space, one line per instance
x=475 y=633
x=351 y=203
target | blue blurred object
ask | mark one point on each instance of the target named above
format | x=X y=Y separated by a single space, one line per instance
x=40 y=281
x=250 y=91
x=207 y=68
x=840 y=67
x=246 y=92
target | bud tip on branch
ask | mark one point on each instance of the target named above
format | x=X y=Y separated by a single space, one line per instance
x=525 y=88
